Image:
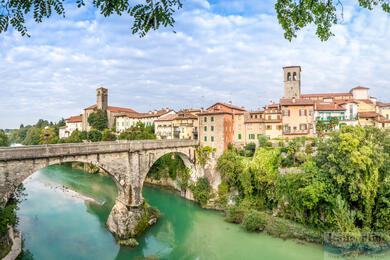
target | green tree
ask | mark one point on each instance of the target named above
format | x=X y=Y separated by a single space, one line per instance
x=250 y=149
x=108 y=135
x=293 y=148
x=75 y=137
x=145 y=15
x=98 y=120
x=139 y=131
x=333 y=122
x=4 y=141
x=264 y=142
x=48 y=136
x=94 y=136
x=201 y=190
x=294 y=15
x=320 y=127
x=33 y=136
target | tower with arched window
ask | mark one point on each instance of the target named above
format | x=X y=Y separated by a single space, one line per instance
x=292 y=82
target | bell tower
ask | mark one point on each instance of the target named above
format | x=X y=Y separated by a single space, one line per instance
x=102 y=98
x=292 y=82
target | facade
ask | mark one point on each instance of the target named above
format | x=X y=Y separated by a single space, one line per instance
x=326 y=111
x=127 y=120
x=297 y=117
x=217 y=125
x=72 y=123
x=292 y=82
x=102 y=104
x=177 y=126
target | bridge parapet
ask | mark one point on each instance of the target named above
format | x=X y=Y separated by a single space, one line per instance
x=75 y=149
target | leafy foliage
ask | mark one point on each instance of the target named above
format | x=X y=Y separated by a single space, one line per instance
x=94 y=136
x=253 y=221
x=294 y=15
x=152 y=14
x=139 y=131
x=98 y=120
x=4 y=141
x=108 y=135
x=201 y=190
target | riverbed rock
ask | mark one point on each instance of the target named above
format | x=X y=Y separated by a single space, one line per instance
x=131 y=242
x=130 y=222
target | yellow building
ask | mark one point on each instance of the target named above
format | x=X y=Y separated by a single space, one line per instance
x=185 y=126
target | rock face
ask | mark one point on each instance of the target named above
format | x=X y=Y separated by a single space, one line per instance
x=130 y=222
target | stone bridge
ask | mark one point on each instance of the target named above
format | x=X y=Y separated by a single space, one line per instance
x=127 y=162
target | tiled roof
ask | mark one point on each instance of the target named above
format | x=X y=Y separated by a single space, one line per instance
x=74 y=119
x=63 y=127
x=368 y=114
x=145 y=115
x=325 y=95
x=295 y=102
x=382 y=104
x=359 y=87
x=167 y=118
x=229 y=106
x=323 y=106
x=205 y=113
x=113 y=109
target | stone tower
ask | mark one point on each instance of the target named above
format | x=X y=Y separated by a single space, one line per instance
x=292 y=82
x=102 y=98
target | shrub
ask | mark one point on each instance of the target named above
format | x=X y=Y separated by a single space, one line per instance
x=201 y=190
x=94 y=136
x=108 y=135
x=234 y=214
x=253 y=221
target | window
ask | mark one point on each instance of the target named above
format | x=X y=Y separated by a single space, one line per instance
x=260 y=127
x=212 y=139
x=269 y=127
x=269 y=117
x=205 y=138
x=302 y=112
x=286 y=112
x=239 y=127
x=212 y=128
x=258 y=136
x=303 y=127
x=294 y=76
x=212 y=119
x=205 y=119
x=239 y=136
x=249 y=127
x=205 y=128
x=289 y=76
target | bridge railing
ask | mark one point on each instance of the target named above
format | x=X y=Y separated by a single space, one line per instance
x=53 y=150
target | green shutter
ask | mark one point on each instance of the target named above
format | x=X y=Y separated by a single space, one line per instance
x=212 y=139
x=205 y=119
x=212 y=128
x=239 y=136
x=212 y=119
x=205 y=138
x=205 y=128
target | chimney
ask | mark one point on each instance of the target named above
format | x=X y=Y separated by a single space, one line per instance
x=230 y=102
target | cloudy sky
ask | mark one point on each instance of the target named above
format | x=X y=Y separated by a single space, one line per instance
x=223 y=50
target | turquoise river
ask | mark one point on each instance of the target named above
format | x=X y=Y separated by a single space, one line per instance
x=64 y=215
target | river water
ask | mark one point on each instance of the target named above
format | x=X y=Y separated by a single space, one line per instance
x=64 y=215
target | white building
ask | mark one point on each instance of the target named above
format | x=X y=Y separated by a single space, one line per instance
x=126 y=120
x=72 y=123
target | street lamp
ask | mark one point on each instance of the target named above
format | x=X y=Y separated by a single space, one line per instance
x=47 y=134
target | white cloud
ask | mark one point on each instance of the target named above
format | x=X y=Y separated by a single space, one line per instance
x=214 y=56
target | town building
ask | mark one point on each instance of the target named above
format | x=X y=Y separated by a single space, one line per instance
x=102 y=104
x=127 y=120
x=217 y=126
x=72 y=123
x=182 y=125
x=297 y=117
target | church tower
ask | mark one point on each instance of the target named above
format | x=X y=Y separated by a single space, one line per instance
x=292 y=82
x=102 y=98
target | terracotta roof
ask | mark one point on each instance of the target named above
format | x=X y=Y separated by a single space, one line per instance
x=368 y=114
x=204 y=113
x=382 y=119
x=358 y=87
x=382 y=104
x=113 y=109
x=166 y=118
x=295 y=102
x=145 y=115
x=74 y=119
x=323 y=106
x=63 y=127
x=325 y=95
x=272 y=106
x=229 y=106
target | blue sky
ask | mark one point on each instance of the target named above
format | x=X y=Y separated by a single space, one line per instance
x=223 y=50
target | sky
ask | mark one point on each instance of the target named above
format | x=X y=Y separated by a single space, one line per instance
x=223 y=50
